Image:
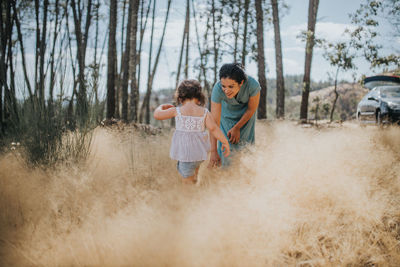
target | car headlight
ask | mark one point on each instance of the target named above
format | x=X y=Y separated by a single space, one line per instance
x=393 y=105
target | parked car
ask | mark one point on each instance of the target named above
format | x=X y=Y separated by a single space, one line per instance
x=381 y=105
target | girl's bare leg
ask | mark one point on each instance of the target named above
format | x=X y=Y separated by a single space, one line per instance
x=191 y=179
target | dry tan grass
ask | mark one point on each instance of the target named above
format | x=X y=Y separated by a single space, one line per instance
x=306 y=197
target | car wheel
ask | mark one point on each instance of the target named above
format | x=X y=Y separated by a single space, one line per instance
x=359 y=120
x=378 y=118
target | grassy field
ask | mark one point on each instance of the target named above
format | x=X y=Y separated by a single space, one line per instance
x=326 y=196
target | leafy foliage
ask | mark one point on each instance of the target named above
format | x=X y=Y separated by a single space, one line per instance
x=339 y=55
x=366 y=35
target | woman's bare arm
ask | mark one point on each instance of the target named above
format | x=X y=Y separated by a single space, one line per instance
x=234 y=133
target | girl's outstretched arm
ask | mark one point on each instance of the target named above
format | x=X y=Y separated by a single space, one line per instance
x=217 y=133
x=164 y=112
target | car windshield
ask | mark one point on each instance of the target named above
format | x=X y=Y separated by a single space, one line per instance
x=391 y=92
x=374 y=84
x=381 y=80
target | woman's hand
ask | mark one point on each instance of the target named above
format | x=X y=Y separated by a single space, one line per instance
x=234 y=135
x=215 y=160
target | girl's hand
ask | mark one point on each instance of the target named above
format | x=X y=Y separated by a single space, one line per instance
x=166 y=106
x=234 y=135
x=226 y=149
x=215 y=160
x=164 y=112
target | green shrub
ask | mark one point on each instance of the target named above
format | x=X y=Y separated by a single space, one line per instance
x=49 y=134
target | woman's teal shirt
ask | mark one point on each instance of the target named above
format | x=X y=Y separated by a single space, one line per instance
x=232 y=111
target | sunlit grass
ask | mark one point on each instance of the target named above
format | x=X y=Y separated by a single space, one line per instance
x=316 y=197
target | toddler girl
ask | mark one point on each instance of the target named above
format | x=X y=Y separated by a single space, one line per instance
x=190 y=142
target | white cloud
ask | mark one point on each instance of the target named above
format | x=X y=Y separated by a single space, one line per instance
x=329 y=30
x=332 y=31
x=292 y=66
x=293 y=31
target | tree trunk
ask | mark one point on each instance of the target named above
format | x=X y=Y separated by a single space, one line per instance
x=133 y=61
x=312 y=19
x=235 y=28
x=125 y=64
x=52 y=59
x=37 y=48
x=3 y=83
x=246 y=13
x=119 y=94
x=111 y=60
x=5 y=45
x=96 y=65
x=11 y=98
x=185 y=33
x=336 y=95
x=205 y=62
x=70 y=120
x=21 y=45
x=146 y=98
x=146 y=101
x=81 y=40
x=280 y=87
x=203 y=69
x=42 y=53
x=186 y=70
x=139 y=60
x=215 y=47
x=153 y=73
x=262 y=107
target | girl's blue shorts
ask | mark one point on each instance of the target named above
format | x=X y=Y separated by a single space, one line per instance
x=187 y=169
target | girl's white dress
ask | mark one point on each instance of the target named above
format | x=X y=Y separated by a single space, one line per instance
x=190 y=141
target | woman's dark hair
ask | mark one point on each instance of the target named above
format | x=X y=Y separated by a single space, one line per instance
x=189 y=89
x=233 y=71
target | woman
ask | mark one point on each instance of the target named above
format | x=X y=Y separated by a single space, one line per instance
x=234 y=101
